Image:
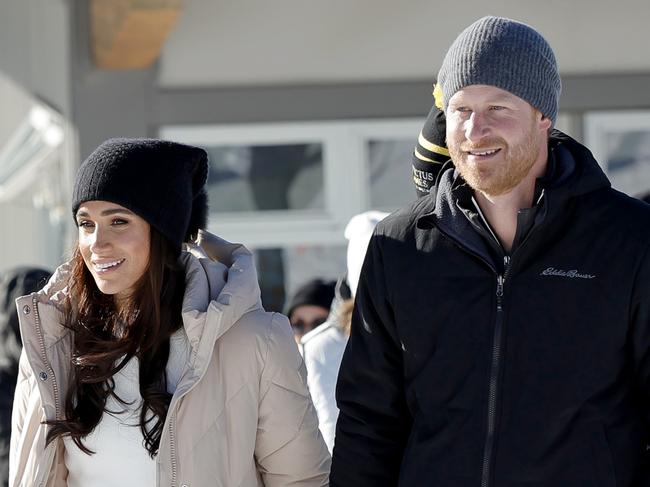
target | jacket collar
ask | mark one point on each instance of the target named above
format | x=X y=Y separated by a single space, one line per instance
x=221 y=286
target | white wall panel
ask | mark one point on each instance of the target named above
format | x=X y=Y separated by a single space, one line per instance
x=256 y=42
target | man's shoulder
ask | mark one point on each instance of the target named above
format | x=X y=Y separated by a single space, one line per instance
x=622 y=213
x=404 y=220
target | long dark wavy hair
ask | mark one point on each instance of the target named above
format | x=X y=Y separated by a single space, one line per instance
x=105 y=339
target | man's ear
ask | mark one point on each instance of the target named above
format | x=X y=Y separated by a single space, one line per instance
x=545 y=123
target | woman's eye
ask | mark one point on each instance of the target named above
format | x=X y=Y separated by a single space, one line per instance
x=119 y=221
x=84 y=224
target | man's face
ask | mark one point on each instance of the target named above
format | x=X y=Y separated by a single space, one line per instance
x=494 y=137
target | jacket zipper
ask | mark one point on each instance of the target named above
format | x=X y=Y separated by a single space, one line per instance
x=172 y=446
x=495 y=363
x=48 y=366
x=496 y=343
x=494 y=376
x=171 y=424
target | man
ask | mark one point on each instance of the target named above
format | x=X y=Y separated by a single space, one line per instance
x=501 y=334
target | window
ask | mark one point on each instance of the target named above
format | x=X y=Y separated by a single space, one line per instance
x=620 y=142
x=288 y=190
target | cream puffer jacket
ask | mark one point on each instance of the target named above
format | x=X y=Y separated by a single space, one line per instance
x=241 y=415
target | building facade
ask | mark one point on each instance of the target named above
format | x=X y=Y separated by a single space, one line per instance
x=309 y=111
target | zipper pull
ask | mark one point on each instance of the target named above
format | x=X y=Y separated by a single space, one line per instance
x=500 y=281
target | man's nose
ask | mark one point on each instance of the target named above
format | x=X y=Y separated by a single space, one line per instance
x=476 y=127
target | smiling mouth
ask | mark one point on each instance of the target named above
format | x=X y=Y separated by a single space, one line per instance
x=105 y=267
x=483 y=153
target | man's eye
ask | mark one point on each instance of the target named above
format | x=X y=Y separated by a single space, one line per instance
x=497 y=108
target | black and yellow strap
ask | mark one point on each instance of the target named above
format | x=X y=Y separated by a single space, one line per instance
x=430 y=152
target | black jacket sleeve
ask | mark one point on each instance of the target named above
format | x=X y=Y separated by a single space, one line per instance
x=639 y=340
x=640 y=331
x=374 y=422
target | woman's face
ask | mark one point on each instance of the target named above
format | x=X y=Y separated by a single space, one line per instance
x=114 y=243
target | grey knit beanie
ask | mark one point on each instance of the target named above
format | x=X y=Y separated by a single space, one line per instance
x=507 y=54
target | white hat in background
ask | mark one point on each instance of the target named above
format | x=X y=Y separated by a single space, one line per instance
x=358 y=232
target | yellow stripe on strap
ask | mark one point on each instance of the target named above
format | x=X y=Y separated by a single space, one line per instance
x=432 y=147
x=423 y=158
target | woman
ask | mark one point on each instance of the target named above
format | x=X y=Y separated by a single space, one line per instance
x=323 y=347
x=145 y=364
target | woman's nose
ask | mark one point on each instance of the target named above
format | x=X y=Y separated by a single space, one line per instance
x=99 y=240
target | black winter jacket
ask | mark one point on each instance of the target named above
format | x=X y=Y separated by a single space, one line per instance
x=467 y=368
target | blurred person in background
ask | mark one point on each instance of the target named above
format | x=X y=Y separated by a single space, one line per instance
x=310 y=306
x=323 y=347
x=14 y=283
x=148 y=359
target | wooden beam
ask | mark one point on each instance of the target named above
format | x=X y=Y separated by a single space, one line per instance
x=129 y=34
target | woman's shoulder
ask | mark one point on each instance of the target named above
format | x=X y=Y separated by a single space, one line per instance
x=262 y=326
x=257 y=329
x=324 y=344
x=326 y=335
x=262 y=343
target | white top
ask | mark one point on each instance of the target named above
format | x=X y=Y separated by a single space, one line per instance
x=323 y=350
x=120 y=457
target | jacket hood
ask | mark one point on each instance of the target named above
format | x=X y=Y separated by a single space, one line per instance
x=220 y=278
x=576 y=171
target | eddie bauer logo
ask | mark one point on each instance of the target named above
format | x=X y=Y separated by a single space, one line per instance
x=573 y=273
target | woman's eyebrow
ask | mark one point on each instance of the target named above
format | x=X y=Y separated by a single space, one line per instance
x=110 y=211
x=113 y=211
